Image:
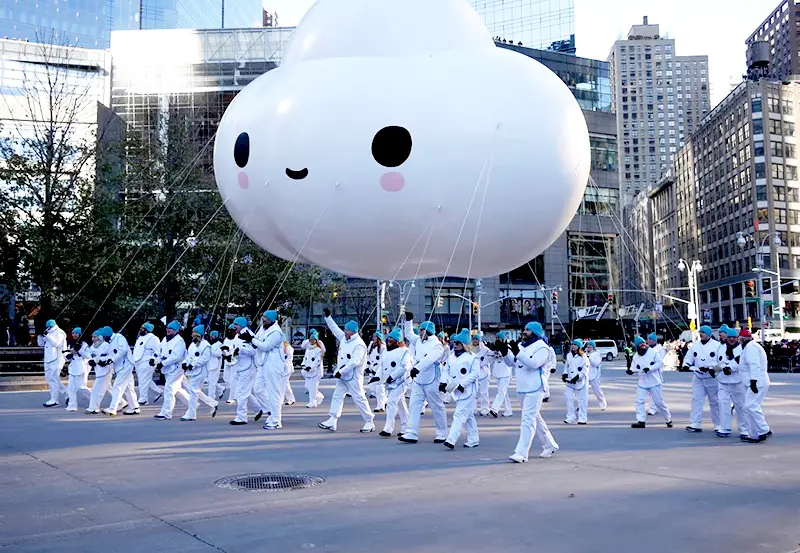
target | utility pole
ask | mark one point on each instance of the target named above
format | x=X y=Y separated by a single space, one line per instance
x=478 y=293
x=223 y=14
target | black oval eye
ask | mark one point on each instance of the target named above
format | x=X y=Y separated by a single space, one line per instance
x=241 y=150
x=394 y=364
x=391 y=146
x=463 y=371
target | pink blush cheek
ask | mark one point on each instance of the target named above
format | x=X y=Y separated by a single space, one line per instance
x=244 y=181
x=392 y=182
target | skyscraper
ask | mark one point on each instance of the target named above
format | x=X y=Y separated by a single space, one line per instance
x=659 y=99
x=545 y=24
x=779 y=30
x=88 y=23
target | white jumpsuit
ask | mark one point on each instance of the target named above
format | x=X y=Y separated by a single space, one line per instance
x=98 y=353
x=77 y=373
x=375 y=389
x=173 y=352
x=55 y=345
x=229 y=361
x=650 y=383
x=214 y=369
x=753 y=364
x=425 y=387
x=246 y=372
x=311 y=369
x=463 y=370
x=351 y=361
x=731 y=389
x=576 y=366
x=198 y=356
x=484 y=356
x=532 y=367
x=288 y=358
x=123 y=378
x=595 y=376
x=145 y=357
x=702 y=357
x=269 y=389
x=395 y=364
x=443 y=367
x=501 y=371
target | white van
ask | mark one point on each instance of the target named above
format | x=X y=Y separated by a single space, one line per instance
x=607 y=348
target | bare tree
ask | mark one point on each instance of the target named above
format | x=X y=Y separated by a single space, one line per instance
x=47 y=155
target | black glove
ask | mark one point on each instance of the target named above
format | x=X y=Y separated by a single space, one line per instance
x=553 y=370
x=414 y=372
x=69 y=356
x=327 y=312
x=225 y=348
x=409 y=316
x=227 y=358
x=564 y=377
x=491 y=347
x=63 y=372
x=337 y=374
x=629 y=372
x=443 y=387
x=713 y=373
x=575 y=380
x=159 y=366
x=373 y=380
x=247 y=337
x=92 y=363
x=703 y=369
x=502 y=349
x=514 y=347
x=389 y=380
x=236 y=352
x=754 y=386
x=461 y=388
x=185 y=366
x=646 y=370
x=152 y=362
x=727 y=371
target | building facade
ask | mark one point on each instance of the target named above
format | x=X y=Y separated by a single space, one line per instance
x=88 y=23
x=779 y=30
x=659 y=97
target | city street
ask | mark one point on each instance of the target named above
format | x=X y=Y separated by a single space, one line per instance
x=72 y=482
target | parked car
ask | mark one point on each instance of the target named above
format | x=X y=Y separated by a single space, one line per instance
x=607 y=348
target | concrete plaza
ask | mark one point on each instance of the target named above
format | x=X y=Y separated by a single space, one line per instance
x=76 y=483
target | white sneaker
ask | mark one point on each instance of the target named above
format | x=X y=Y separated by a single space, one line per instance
x=230 y=402
x=329 y=424
x=547 y=453
x=368 y=427
x=310 y=406
x=71 y=409
x=110 y=413
x=517 y=458
x=507 y=415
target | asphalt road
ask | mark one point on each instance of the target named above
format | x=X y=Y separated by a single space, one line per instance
x=76 y=483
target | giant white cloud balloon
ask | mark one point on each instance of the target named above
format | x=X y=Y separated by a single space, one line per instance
x=396 y=141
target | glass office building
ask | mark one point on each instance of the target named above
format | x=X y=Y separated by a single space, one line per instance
x=546 y=24
x=88 y=23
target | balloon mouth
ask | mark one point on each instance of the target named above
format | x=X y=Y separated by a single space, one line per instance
x=244 y=180
x=296 y=175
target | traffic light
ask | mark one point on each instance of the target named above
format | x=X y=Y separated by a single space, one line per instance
x=474 y=308
x=749 y=323
x=440 y=301
x=750 y=288
x=384 y=320
x=555 y=296
x=335 y=295
x=611 y=299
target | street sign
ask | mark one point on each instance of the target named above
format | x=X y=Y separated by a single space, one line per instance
x=658 y=308
x=752 y=300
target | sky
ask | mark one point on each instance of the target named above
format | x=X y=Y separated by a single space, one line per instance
x=717 y=28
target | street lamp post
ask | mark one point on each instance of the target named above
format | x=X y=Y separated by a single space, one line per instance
x=553 y=308
x=402 y=287
x=741 y=241
x=694 y=296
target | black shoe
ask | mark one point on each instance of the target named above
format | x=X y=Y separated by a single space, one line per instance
x=160 y=417
x=768 y=434
x=399 y=434
x=237 y=423
x=669 y=424
x=438 y=441
x=407 y=440
x=159 y=396
x=693 y=429
x=258 y=416
x=749 y=440
x=134 y=412
x=763 y=437
x=50 y=404
x=722 y=434
x=448 y=445
x=582 y=423
x=66 y=403
x=214 y=412
x=377 y=410
x=493 y=413
x=545 y=400
x=471 y=446
x=638 y=424
x=384 y=434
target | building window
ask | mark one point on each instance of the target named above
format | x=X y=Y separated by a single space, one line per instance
x=773 y=104
x=758 y=146
x=774 y=126
x=789 y=151
x=777 y=171
x=761 y=171
x=758 y=126
x=788 y=128
x=791 y=172
x=794 y=217
x=592 y=269
x=780 y=216
x=786 y=107
x=779 y=193
x=776 y=149
x=761 y=193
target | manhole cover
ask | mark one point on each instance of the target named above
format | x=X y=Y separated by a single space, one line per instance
x=269 y=481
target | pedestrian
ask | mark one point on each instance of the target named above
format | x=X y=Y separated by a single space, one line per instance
x=146 y=354
x=501 y=371
x=647 y=364
x=701 y=359
x=195 y=369
x=753 y=363
x=54 y=342
x=595 y=373
x=173 y=353
x=312 y=367
x=576 y=371
x=463 y=373
x=395 y=368
x=731 y=388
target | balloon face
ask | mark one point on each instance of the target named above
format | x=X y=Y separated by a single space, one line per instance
x=466 y=161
